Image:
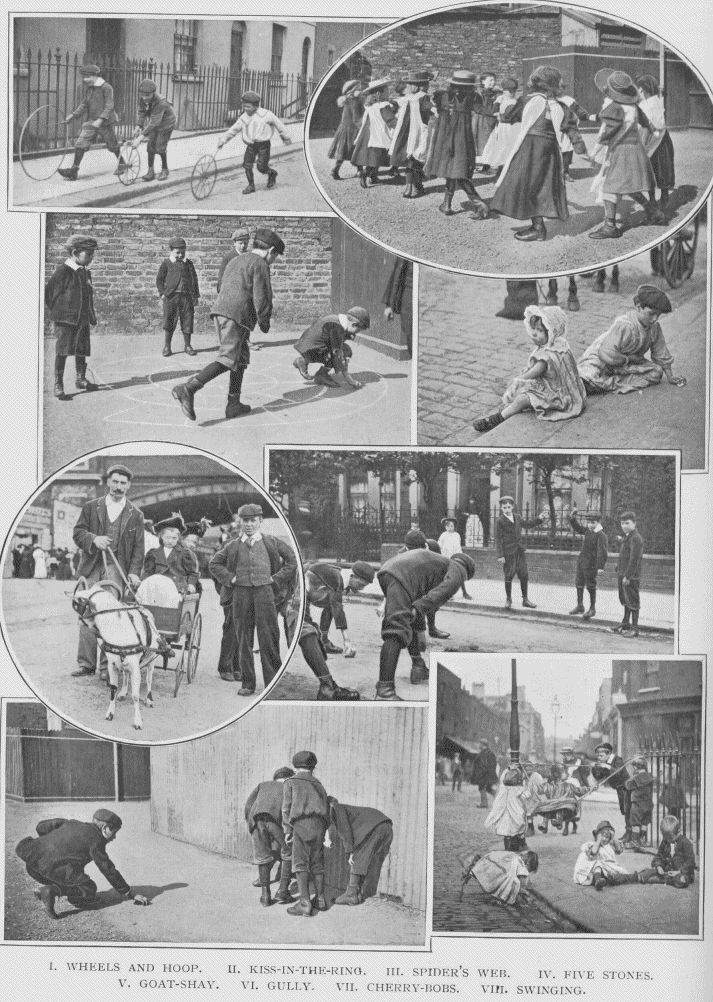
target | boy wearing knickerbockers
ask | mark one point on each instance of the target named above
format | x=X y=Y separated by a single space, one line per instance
x=305 y=817
x=69 y=298
x=157 y=120
x=366 y=836
x=257 y=126
x=99 y=118
x=628 y=569
x=263 y=815
x=325 y=342
x=511 y=549
x=591 y=561
x=177 y=285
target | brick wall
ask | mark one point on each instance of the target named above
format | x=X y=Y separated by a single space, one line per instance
x=557 y=567
x=131 y=249
x=474 y=40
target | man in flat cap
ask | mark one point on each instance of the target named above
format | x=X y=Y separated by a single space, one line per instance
x=244 y=301
x=240 y=239
x=69 y=299
x=57 y=857
x=366 y=835
x=107 y=523
x=97 y=111
x=177 y=284
x=305 y=817
x=414 y=583
x=256 y=125
x=256 y=572
x=616 y=362
x=263 y=815
x=325 y=342
x=156 y=122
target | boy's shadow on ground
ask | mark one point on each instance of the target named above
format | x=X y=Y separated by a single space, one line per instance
x=110 y=899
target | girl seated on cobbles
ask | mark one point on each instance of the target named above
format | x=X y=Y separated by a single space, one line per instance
x=597 y=863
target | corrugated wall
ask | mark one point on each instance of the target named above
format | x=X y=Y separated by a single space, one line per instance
x=370 y=756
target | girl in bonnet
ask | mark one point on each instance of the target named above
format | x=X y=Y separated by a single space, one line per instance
x=550 y=384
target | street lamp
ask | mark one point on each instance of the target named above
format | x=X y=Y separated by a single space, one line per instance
x=555 y=713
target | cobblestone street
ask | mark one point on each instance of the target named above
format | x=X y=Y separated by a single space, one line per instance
x=467 y=356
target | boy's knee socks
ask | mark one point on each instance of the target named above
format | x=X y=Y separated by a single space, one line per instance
x=508 y=589
x=388 y=659
x=59 y=363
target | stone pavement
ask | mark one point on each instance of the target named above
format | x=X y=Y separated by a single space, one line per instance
x=652 y=910
x=195 y=896
x=134 y=401
x=97 y=186
x=467 y=356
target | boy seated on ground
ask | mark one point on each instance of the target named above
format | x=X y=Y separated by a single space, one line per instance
x=675 y=861
x=325 y=342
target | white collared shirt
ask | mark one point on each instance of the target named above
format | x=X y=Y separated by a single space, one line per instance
x=251 y=539
x=114 y=508
x=71 y=263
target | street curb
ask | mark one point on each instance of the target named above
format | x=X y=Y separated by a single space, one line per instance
x=535 y=614
x=560 y=911
x=129 y=192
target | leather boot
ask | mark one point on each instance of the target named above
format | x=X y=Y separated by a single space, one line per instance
x=329 y=690
x=283 y=896
x=328 y=646
x=320 y=902
x=608 y=230
x=488 y=422
x=408 y=191
x=59 y=363
x=387 y=690
x=81 y=382
x=250 y=177
x=303 y=907
x=301 y=365
x=362 y=177
x=264 y=877
x=167 y=345
x=352 y=895
x=271 y=178
x=445 y=206
x=418 y=188
x=70 y=173
x=184 y=394
x=190 y=350
x=335 y=170
x=234 y=408
x=537 y=231
x=322 y=378
x=484 y=800
x=47 y=895
x=480 y=210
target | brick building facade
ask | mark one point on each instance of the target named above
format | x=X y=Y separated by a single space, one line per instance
x=131 y=249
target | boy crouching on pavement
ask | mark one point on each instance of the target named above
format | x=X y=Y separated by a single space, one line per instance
x=257 y=126
x=675 y=861
x=366 y=835
x=177 y=284
x=156 y=122
x=305 y=817
x=69 y=298
x=263 y=814
x=56 y=860
x=325 y=342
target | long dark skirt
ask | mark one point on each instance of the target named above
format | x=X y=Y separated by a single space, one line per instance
x=534 y=182
x=452 y=149
x=369 y=156
x=662 y=164
x=342 y=146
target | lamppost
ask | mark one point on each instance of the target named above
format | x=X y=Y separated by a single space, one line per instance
x=555 y=713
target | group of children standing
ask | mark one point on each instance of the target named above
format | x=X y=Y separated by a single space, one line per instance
x=527 y=139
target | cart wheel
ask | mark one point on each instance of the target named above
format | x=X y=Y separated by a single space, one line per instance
x=180 y=668
x=679 y=255
x=194 y=648
x=132 y=159
x=40 y=168
x=203 y=176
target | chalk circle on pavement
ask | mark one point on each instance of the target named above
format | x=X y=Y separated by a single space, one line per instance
x=53 y=574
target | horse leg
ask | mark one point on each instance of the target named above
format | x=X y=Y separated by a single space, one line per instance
x=135 y=669
x=113 y=682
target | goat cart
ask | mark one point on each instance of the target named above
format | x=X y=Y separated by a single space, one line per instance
x=181 y=628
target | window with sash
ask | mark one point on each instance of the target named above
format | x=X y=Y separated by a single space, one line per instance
x=185 y=46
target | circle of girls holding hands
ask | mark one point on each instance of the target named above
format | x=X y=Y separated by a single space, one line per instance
x=527 y=139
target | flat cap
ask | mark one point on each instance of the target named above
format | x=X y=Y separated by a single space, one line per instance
x=241 y=234
x=363 y=570
x=90 y=70
x=465 y=561
x=81 y=241
x=147 y=87
x=627 y=516
x=605 y=746
x=433 y=546
x=106 y=817
x=177 y=242
x=284 y=772
x=270 y=239
x=415 y=539
x=304 y=760
x=249 y=511
x=507 y=497
x=122 y=470
x=655 y=299
x=361 y=315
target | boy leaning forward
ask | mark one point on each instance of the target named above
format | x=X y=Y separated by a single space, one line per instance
x=305 y=818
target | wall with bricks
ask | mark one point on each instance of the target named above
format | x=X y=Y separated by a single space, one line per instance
x=131 y=249
x=475 y=39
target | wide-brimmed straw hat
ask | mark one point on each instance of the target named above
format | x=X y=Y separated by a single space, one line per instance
x=421 y=78
x=376 y=85
x=349 y=85
x=462 y=78
x=620 y=88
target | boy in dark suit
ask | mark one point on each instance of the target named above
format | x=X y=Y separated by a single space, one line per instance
x=366 y=836
x=107 y=523
x=628 y=569
x=157 y=120
x=325 y=589
x=414 y=583
x=99 y=118
x=263 y=815
x=675 y=860
x=511 y=549
x=69 y=298
x=591 y=561
x=172 y=558
x=325 y=342
x=255 y=572
x=305 y=817
x=177 y=285
x=640 y=789
x=244 y=301
x=56 y=860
